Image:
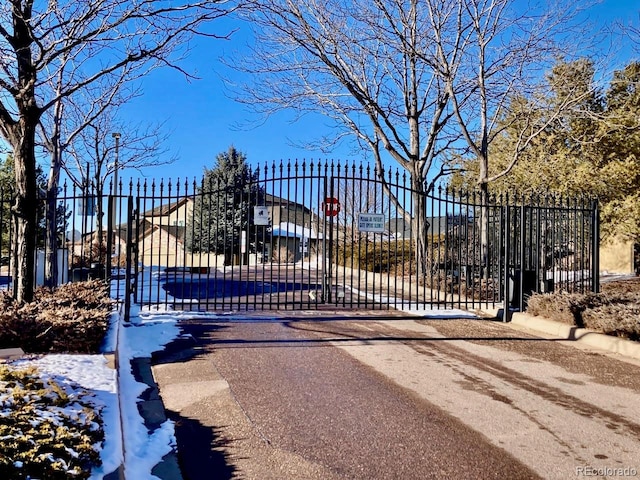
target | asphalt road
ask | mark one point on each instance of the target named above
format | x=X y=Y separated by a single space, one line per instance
x=394 y=398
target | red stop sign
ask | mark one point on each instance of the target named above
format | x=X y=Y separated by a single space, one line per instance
x=331 y=206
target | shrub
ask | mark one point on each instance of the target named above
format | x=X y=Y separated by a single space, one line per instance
x=45 y=432
x=617 y=320
x=93 y=251
x=559 y=306
x=394 y=257
x=614 y=311
x=72 y=318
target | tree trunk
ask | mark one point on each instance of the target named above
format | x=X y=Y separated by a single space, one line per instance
x=419 y=226
x=51 y=267
x=484 y=229
x=22 y=136
x=51 y=262
x=24 y=213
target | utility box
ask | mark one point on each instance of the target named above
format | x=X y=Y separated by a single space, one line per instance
x=528 y=287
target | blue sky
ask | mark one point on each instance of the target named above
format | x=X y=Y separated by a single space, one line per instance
x=202 y=121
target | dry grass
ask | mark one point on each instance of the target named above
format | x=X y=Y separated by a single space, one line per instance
x=614 y=311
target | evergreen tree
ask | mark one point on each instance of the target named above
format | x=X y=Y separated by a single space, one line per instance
x=620 y=168
x=223 y=207
x=6 y=194
x=591 y=150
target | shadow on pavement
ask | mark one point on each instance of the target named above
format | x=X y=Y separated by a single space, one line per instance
x=200 y=450
x=200 y=447
x=202 y=333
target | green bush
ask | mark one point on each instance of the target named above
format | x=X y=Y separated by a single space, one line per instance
x=45 y=433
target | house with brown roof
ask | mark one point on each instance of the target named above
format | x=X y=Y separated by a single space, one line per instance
x=162 y=232
x=161 y=237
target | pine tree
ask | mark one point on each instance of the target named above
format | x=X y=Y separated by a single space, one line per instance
x=592 y=150
x=223 y=207
x=620 y=169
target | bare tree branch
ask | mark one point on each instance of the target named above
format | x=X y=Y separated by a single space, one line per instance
x=357 y=63
x=104 y=40
x=507 y=50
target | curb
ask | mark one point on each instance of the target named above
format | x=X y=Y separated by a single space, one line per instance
x=591 y=338
x=150 y=408
x=153 y=413
x=116 y=318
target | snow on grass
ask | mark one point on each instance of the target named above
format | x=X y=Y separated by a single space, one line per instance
x=91 y=377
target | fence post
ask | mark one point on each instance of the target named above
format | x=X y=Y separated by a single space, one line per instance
x=110 y=235
x=595 y=236
x=523 y=257
x=127 y=287
x=506 y=312
x=135 y=224
x=328 y=296
x=324 y=237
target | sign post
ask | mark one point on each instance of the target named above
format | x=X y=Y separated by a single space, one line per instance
x=331 y=207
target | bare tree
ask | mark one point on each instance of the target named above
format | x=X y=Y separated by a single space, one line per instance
x=63 y=124
x=103 y=148
x=38 y=39
x=371 y=67
x=627 y=32
x=503 y=50
x=356 y=196
x=408 y=78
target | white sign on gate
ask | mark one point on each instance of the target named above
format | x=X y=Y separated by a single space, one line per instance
x=371 y=222
x=260 y=215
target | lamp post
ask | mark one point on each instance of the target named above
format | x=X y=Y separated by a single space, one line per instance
x=116 y=136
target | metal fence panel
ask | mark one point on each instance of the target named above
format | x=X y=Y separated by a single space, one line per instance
x=313 y=236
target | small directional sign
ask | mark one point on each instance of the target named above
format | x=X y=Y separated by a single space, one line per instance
x=371 y=222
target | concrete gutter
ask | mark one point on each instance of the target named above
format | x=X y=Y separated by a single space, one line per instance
x=587 y=337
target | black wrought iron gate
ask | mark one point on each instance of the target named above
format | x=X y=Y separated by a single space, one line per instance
x=330 y=235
